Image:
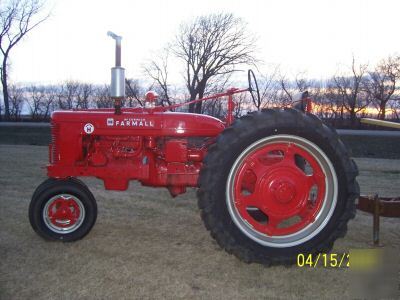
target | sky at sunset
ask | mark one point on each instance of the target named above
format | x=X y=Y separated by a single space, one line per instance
x=318 y=37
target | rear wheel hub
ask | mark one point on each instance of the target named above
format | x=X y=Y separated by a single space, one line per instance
x=281 y=190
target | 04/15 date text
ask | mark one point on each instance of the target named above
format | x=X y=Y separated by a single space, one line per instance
x=325 y=260
x=355 y=259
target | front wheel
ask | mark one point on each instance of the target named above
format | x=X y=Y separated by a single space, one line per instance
x=62 y=210
x=276 y=184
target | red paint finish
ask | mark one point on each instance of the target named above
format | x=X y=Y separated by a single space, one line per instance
x=63 y=212
x=142 y=144
x=228 y=93
x=231 y=106
x=143 y=122
x=151 y=145
x=151 y=96
x=309 y=105
x=270 y=180
x=176 y=150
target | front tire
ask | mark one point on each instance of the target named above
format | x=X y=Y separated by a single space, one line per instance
x=276 y=184
x=62 y=210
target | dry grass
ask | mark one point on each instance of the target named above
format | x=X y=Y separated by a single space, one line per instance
x=147 y=245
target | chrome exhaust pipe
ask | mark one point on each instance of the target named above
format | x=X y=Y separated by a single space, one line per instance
x=117 y=89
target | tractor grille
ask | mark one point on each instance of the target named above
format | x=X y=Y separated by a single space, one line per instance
x=53 y=151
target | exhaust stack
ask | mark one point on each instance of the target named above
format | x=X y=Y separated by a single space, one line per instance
x=117 y=89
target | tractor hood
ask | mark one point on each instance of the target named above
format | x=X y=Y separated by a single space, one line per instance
x=146 y=123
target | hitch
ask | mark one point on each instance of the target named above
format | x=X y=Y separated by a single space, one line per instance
x=117 y=89
x=379 y=207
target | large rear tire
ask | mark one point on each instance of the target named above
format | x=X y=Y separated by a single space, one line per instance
x=276 y=184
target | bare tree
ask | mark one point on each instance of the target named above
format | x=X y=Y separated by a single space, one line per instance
x=1 y=107
x=286 y=91
x=17 y=99
x=35 y=101
x=134 y=93
x=17 y=18
x=290 y=88
x=102 y=97
x=269 y=86
x=216 y=107
x=350 y=90
x=210 y=46
x=157 y=70
x=49 y=103
x=395 y=107
x=242 y=104
x=331 y=103
x=68 y=93
x=41 y=101
x=382 y=83
x=83 y=95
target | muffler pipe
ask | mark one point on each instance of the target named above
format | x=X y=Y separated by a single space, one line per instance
x=117 y=88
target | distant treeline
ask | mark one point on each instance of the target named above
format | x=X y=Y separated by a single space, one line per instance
x=340 y=101
x=209 y=49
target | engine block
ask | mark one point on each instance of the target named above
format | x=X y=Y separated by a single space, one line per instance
x=158 y=149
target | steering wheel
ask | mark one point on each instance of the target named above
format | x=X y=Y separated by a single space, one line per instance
x=253 y=88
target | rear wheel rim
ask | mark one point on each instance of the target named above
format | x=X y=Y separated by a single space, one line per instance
x=275 y=200
x=63 y=213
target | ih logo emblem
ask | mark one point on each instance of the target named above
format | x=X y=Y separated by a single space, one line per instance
x=110 y=122
x=88 y=128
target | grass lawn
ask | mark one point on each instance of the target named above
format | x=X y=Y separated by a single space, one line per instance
x=147 y=245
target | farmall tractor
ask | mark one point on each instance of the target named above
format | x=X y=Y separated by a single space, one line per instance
x=270 y=185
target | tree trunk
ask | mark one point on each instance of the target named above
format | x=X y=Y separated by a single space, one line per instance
x=5 y=90
x=192 y=105
x=6 y=102
x=382 y=108
x=199 y=104
x=202 y=89
x=352 y=117
x=341 y=112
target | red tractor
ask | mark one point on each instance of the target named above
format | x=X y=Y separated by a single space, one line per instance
x=270 y=185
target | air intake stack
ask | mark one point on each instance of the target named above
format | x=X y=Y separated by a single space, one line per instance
x=117 y=90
